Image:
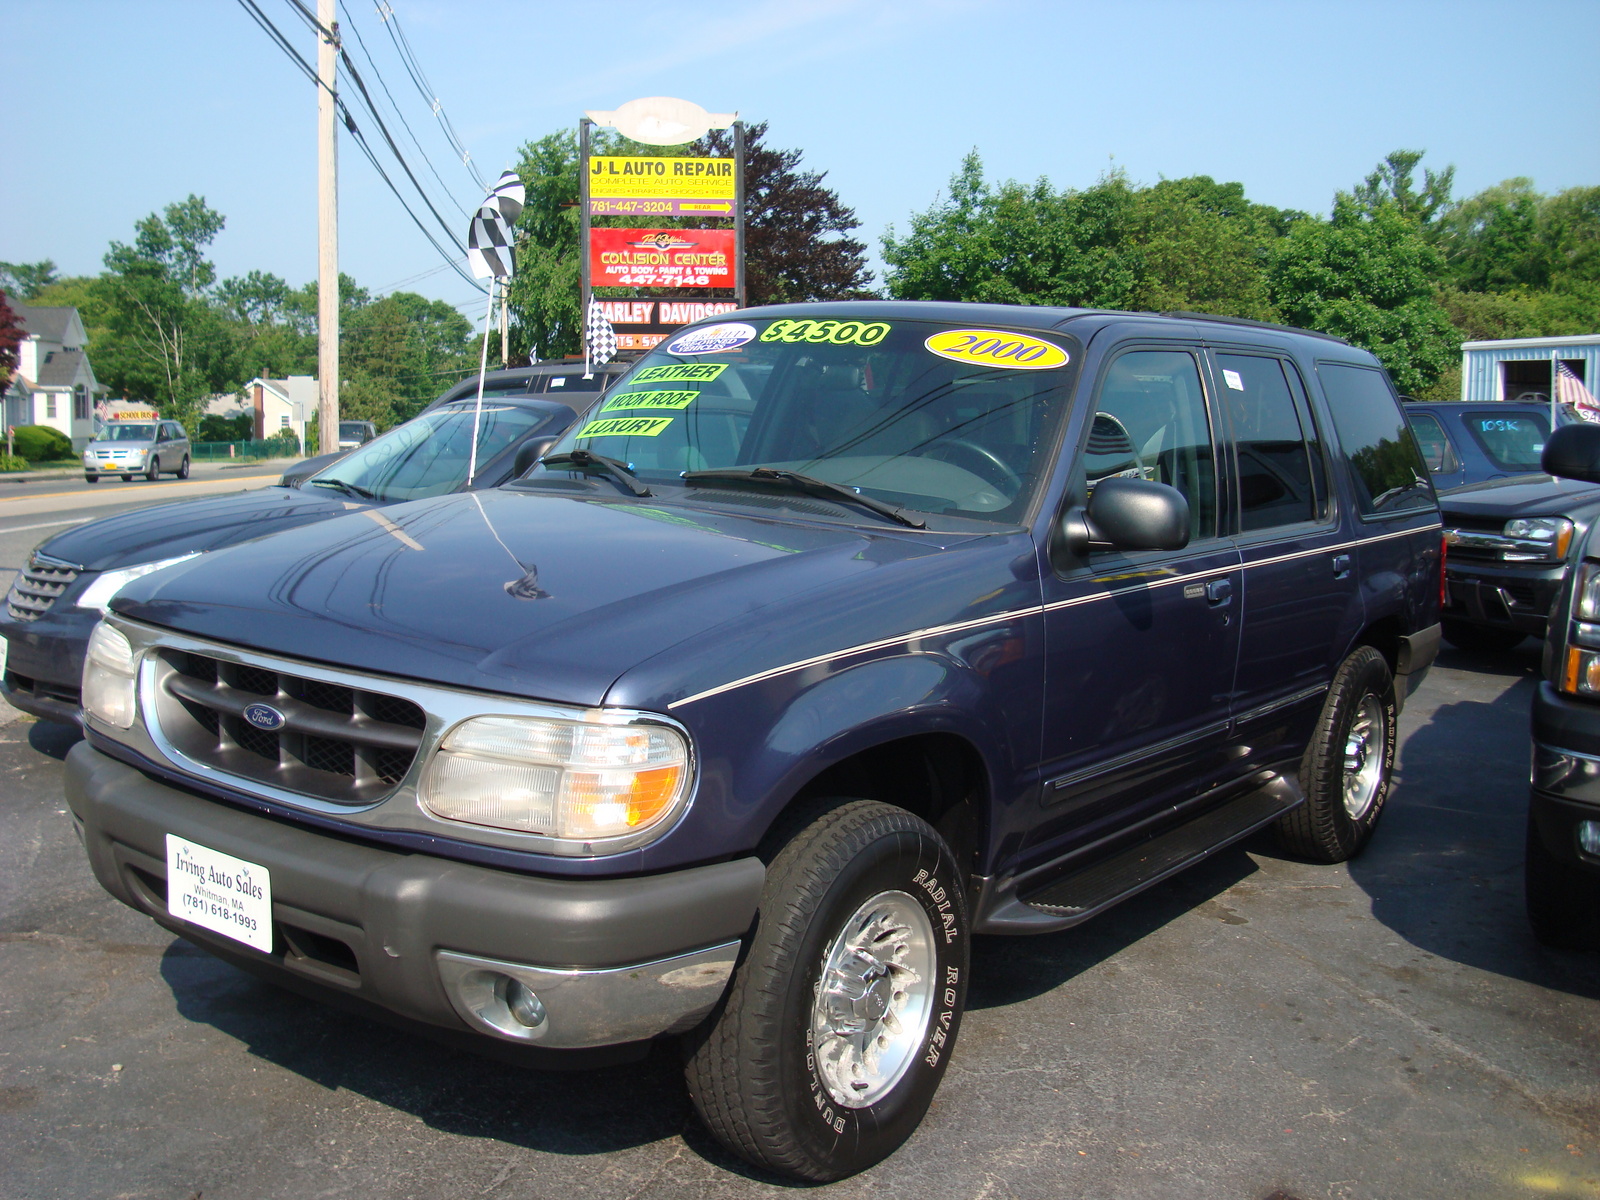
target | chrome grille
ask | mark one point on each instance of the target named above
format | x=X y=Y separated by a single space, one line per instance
x=38 y=587
x=343 y=744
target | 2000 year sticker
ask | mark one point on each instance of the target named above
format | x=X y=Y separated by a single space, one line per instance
x=992 y=348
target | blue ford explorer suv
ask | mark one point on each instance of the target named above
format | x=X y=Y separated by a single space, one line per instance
x=834 y=635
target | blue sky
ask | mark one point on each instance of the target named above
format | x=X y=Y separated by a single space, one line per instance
x=122 y=107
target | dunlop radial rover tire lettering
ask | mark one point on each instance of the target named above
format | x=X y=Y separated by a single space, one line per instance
x=1323 y=829
x=750 y=1069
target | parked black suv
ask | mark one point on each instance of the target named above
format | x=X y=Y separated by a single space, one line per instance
x=1562 y=866
x=836 y=634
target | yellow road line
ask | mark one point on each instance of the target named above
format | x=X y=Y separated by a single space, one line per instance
x=140 y=491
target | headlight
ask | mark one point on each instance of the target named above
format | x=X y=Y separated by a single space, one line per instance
x=574 y=780
x=109 y=672
x=1586 y=593
x=98 y=594
x=1555 y=534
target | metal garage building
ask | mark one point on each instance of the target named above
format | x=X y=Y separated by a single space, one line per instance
x=1520 y=368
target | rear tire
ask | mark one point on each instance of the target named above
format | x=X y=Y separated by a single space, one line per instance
x=1563 y=899
x=127 y=479
x=1484 y=639
x=183 y=469
x=844 y=1010
x=91 y=479
x=1348 y=766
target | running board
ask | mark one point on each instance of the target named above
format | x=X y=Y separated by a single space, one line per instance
x=1075 y=898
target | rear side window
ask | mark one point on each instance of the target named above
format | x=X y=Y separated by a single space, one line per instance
x=1386 y=467
x=1280 y=460
x=1512 y=443
x=1437 y=452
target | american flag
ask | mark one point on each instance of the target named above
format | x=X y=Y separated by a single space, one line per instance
x=1570 y=390
x=599 y=340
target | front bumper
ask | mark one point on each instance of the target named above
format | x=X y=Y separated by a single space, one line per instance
x=44 y=664
x=431 y=940
x=1502 y=596
x=1566 y=773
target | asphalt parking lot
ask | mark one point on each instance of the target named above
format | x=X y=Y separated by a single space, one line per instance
x=1259 y=1027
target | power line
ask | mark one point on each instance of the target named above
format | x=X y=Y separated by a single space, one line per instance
x=408 y=59
x=357 y=136
x=383 y=83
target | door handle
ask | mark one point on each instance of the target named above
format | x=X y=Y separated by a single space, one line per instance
x=1341 y=566
x=1219 y=591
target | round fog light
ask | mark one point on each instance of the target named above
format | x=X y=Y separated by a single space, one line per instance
x=1589 y=837
x=525 y=1006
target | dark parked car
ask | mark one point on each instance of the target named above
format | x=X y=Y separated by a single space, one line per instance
x=1509 y=542
x=354 y=433
x=1469 y=443
x=1562 y=867
x=68 y=580
x=561 y=380
x=837 y=634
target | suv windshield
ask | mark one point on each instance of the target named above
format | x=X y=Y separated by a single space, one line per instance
x=127 y=433
x=352 y=429
x=1514 y=442
x=427 y=456
x=933 y=417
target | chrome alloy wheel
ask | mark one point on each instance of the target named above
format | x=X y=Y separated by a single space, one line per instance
x=1363 y=758
x=874 y=999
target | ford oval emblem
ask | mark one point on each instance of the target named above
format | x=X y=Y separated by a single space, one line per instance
x=264 y=716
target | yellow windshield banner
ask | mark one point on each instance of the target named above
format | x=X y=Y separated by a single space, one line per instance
x=649 y=400
x=624 y=427
x=627 y=178
x=680 y=373
x=994 y=348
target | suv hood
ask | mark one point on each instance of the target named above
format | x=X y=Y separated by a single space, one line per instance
x=1518 y=496
x=510 y=591
x=208 y=523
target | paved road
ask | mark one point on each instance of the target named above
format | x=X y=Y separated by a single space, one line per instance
x=1258 y=1027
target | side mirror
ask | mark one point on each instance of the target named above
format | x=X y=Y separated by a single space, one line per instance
x=530 y=452
x=1573 y=452
x=1128 y=514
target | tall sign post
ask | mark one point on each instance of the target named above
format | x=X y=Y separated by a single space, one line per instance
x=642 y=187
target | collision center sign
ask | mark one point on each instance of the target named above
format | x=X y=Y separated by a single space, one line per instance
x=662 y=257
x=613 y=177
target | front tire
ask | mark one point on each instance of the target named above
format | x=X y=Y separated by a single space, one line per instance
x=91 y=479
x=842 y=1015
x=1563 y=899
x=1484 y=639
x=154 y=471
x=127 y=479
x=1348 y=767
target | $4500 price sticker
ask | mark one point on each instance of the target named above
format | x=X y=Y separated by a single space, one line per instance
x=835 y=333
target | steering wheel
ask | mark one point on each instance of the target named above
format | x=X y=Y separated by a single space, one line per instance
x=980 y=460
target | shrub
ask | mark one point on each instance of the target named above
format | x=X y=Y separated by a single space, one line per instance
x=11 y=462
x=40 y=443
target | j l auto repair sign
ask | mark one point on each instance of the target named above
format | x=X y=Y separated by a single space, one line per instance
x=662 y=257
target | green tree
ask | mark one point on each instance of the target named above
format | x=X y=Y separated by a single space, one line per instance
x=165 y=341
x=1205 y=248
x=1367 y=275
x=1392 y=184
x=24 y=281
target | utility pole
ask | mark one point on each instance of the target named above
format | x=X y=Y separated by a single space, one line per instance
x=327 y=234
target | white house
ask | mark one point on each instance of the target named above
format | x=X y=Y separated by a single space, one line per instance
x=278 y=404
x=54 y=384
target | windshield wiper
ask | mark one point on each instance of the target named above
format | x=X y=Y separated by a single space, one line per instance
x=348 y=488
x=807 y=484
x=585 y=459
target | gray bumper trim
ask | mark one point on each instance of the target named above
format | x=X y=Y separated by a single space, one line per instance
x=394 y=912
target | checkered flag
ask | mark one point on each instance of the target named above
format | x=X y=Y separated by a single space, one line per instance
x=599 y=340
x=491 y=238
x=508 y=195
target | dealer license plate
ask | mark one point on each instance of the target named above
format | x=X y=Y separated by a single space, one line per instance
x=219 y=892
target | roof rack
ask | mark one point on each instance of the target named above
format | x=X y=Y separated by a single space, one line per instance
x=1220 y=320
